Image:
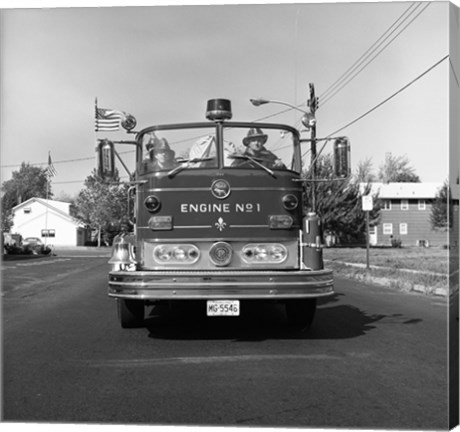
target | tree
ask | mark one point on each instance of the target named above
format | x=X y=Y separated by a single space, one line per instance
x=102 y=206
x=28 y=182
x=397 y=169
x=364 y=172
x=339 y=204
x=65 y=197
x=442 y=210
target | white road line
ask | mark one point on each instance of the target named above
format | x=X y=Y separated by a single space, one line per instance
x=218 y=359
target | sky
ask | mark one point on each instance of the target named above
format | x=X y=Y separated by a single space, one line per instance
x=161 y=63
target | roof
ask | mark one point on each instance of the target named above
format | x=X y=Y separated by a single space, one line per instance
x=404 y=190
x=60 y=207
x=57 y=205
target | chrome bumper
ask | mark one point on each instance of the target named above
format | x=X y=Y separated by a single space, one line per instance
x=161 y=285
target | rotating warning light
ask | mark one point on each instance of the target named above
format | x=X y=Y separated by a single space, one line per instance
x=219 y=110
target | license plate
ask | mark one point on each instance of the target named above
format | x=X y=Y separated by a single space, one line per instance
x=223 y=307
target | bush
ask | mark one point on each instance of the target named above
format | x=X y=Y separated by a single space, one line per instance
x=396 y=242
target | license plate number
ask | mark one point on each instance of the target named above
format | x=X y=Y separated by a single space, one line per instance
x=223 y=307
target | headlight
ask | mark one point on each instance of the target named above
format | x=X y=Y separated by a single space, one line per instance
x=264 y=253
x=176 y=254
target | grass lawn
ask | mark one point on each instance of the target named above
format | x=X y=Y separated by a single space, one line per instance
x=432 y=259
x=428 y=267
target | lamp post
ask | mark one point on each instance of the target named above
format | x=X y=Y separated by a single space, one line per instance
x=309 y=121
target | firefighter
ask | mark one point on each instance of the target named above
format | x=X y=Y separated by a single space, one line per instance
x=161 y=156
x=206 y=147
x=255 y=148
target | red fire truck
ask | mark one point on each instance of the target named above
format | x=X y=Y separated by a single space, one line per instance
x=217 y=221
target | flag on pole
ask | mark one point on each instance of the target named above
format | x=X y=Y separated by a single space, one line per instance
x=50 y=171
x=108 y=119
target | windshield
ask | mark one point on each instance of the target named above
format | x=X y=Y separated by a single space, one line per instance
x=242 y=147
x=252 y=147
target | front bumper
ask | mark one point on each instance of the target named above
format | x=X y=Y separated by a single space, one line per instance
x=188 y=285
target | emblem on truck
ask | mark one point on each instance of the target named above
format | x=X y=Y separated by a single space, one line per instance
x=220 y=224
x=220 y=189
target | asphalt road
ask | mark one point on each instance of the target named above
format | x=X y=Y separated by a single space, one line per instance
x=374 y=358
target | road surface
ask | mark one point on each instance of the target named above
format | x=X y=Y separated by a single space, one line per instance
x=374 y=358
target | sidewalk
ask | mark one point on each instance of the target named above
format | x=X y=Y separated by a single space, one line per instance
x=82 y=251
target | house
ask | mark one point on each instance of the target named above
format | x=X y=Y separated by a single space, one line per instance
x=50 y=221
x=405 y=214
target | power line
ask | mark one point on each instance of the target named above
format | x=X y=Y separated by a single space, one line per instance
x=335 y=83
x=369 y=51
x=386 y=100
x=368 y=60
x=392 y=96
x=60 y=161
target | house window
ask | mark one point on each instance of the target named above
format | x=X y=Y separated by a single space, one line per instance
x=403 y=228
x=48 y=233
x=404 y=204
x=386 y=204
x=27 y=210
x=388 y=228
x=421 y=204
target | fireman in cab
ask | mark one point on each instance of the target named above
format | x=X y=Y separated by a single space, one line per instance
x=160 y=155
x=255 y=149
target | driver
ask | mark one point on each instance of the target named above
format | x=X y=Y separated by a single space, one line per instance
x=255 y=148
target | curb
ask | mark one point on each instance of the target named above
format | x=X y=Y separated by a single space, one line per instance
x=374 y=267
x=421 y=289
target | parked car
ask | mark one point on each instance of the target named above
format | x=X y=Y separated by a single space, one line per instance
x=32 y=241
x=35 y=245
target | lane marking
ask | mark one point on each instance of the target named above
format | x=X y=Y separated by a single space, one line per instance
x=214 y=359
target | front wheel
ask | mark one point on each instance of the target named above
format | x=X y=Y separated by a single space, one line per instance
x=130 y=313
x=300 y=313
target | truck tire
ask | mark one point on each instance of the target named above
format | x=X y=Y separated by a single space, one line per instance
x=130 y=313
x=300 y=313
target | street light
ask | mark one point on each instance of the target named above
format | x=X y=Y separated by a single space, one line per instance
x=308 y=119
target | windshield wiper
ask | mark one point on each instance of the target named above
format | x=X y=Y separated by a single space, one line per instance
x=249 y=158
x=186 y=163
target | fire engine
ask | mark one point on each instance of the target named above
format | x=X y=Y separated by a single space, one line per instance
x=215 y=222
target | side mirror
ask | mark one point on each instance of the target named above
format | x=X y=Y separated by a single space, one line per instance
x=342 y=165
x=106 y=159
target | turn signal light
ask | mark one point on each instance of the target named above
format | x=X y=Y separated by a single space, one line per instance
x=280 y=221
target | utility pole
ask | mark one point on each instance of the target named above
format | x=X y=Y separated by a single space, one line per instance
x=313 y=105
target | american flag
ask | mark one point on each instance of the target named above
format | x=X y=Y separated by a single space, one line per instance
x=108 y=119
x=50 y=171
